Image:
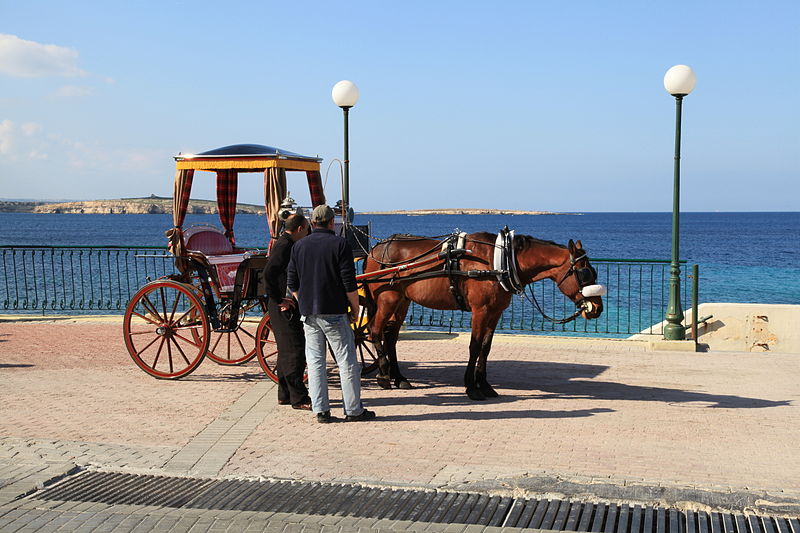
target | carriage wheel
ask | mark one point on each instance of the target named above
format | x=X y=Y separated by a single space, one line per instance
x=238 y=346
x=364 y=348
x=267 y=348
x=166 y=329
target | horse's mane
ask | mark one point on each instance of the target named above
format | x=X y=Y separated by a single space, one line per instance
x=523 y=242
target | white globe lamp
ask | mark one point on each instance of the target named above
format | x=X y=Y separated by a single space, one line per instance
x=345 y=94
x=679 y=80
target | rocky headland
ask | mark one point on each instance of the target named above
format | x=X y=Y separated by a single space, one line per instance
x=156 y=205
x=151 y=205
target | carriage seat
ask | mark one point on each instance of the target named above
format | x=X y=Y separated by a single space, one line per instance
x=208 y=240
x=218 y=251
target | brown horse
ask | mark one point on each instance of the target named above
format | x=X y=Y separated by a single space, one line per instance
x=482 y=294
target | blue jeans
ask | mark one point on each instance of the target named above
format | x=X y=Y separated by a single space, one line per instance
x=336 y=329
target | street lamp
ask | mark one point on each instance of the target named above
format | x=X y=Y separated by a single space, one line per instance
x=345 y=95
x=678 y=81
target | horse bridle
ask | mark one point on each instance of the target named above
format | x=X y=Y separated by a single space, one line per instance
x=584 y=276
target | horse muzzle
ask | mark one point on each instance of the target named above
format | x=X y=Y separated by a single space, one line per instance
x=593 y=290
x=592 y=309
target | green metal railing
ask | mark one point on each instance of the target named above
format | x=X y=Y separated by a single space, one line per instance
x=77 y=278
x=638 y=293
x=93 y=279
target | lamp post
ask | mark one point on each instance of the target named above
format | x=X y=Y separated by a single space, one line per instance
x=345 y=95
x=679 y=82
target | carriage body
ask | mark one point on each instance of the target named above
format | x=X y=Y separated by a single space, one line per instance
x=215 y=305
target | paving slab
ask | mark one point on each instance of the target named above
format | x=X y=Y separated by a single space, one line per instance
x=601 y=419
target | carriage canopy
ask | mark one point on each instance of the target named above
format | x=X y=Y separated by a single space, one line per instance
x=228 y=162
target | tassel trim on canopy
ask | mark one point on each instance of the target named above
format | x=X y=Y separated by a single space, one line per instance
x=256 y=165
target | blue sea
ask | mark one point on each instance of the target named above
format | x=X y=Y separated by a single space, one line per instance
x=743 y=257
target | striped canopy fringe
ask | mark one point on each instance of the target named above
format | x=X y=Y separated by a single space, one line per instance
x=227 y=185
x=315 y=188
x=180 y=202
x=274 y=193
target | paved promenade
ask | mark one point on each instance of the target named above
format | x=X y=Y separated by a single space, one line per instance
x=599 y=420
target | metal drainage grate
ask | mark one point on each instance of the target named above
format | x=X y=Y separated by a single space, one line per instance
x=396 y=504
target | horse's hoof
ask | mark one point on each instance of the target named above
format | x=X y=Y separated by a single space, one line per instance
x=384 y=383
x=489 y=392
x=403 y=384
x=475 y=394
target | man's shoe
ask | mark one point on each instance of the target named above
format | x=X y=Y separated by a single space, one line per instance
x=284 y=402
x=324 y=418
x=302 y=406
x=365 y=415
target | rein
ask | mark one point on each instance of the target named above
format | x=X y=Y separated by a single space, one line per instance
x=535 y=303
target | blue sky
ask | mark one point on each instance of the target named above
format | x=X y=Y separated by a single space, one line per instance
x=555 y=106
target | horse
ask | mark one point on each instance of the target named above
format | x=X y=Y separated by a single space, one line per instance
x=475 y=285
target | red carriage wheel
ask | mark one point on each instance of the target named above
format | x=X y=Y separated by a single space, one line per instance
x=364 y=348
x=238 y=346
x=267 y=348
x=361 y=337
x=166 y=329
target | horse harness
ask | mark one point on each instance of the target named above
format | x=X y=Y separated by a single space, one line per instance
x=454 y=248
x=452 y=243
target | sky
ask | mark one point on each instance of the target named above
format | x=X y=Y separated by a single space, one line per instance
x=530 y=105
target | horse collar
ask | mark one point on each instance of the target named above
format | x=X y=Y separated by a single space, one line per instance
x=505 y=262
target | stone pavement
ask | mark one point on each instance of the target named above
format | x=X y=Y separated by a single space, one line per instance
x=604 y=420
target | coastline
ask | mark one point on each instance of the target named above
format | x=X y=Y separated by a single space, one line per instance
x=156 y=205
x=461 y=211
x=152 y=205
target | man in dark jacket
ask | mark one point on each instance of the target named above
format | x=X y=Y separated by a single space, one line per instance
x=285 y=318
x=321 y=276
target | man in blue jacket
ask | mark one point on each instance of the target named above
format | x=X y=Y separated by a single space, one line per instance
x=321 y=276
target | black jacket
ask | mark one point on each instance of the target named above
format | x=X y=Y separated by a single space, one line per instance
x=322 y=272
x=274 y=272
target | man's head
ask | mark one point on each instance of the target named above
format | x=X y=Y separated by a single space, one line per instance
x=296 y=226
x=322 y=217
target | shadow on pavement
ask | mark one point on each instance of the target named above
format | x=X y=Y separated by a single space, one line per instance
x=574 y=380
x=494 y=415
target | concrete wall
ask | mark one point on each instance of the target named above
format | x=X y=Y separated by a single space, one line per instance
x=749 y=327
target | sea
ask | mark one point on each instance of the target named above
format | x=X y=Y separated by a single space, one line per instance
x=750 y=257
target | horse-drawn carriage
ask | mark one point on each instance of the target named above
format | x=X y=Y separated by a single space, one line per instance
x=215 y=305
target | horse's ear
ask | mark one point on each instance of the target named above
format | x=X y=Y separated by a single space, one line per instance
x=578 y=245
x=571 y=246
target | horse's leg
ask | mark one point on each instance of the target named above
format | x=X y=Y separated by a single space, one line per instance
x=385 y=304
x=487 y=326
x=475 y=343
x=480 y=368
x=390 y=335
x=483 y=326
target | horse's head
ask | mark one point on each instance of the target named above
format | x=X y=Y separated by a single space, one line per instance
x=579 y=282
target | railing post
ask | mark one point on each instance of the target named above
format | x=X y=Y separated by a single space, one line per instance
x=695 y=290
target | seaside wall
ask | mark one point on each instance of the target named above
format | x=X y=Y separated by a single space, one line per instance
x=750 y=327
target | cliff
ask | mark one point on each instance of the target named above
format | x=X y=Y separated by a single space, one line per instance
x=148 y=205
x=161 y=204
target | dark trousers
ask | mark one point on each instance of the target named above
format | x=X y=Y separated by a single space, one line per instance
x=291 y=366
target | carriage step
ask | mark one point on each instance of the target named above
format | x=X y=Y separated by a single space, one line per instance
x=415 y=505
